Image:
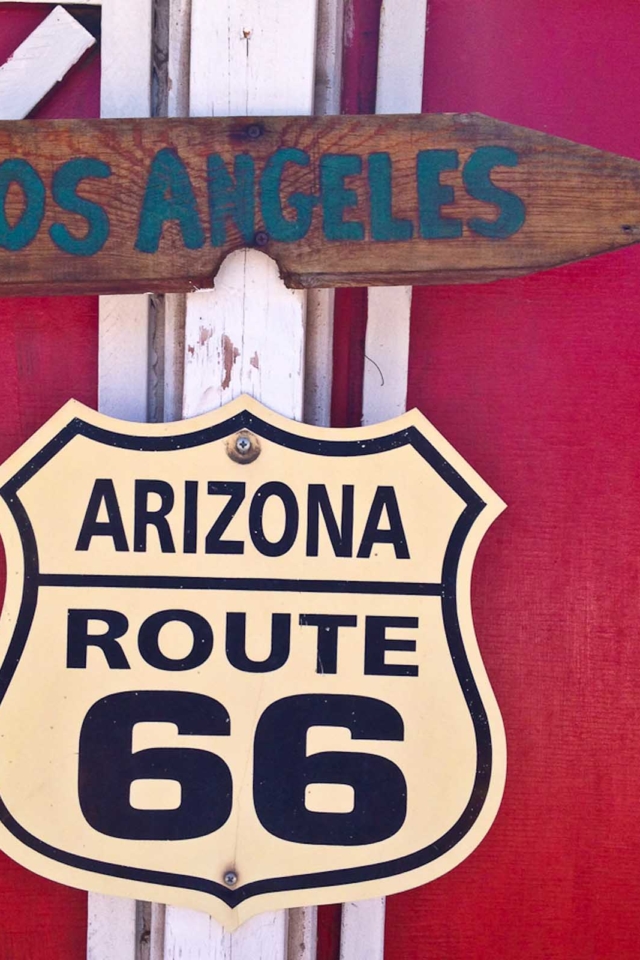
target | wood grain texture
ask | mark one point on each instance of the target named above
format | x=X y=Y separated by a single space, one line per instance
x=578 y=201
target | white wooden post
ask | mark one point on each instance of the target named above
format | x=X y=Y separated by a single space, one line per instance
x=123 y=358
x=399 y=90
x=124 y=321
x=247 y=335
x=400 y=82
x=320 y=307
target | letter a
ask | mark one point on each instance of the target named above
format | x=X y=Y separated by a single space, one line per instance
x=103 y=493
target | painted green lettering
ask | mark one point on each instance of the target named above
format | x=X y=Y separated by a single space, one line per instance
x=64 y=189
x=336 y=198
x=384 y=226
x=477 y=180
x=229 y=200
x=19 y=235
x=276 y=224
x=432 y=195
x=169 y=195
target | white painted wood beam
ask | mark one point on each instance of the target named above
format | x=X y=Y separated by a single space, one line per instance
x=124 y=321
x=123 y=358
x=40 y=62
x=247 y=334
x=320 y=308
x=175 y=305
x=400 y=81
x=362 y=933
x=111 y=933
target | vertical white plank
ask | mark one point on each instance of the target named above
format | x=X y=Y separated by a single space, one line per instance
x=362 y=934
x=126 y=58
x=157 y=932
x=303 y=934
x=400 y=80
x=124 y=321
x=247 y=335
x=194 y=936
x=251 y=58
x=386 y=353
x=175 y=305
x=123 y=357
x=179 y=58
x=112 y=929
x=320 y=308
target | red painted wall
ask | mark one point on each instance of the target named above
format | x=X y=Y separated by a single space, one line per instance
x=48 y=353
x=536 y=381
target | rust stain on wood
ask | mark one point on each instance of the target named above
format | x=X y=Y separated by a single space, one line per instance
x=230 y=354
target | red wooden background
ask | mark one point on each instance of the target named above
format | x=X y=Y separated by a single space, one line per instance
x=536 y=382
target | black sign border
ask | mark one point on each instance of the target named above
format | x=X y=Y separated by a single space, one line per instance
x=329 y=448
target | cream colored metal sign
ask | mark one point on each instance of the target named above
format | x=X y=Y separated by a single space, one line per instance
x=238 y=668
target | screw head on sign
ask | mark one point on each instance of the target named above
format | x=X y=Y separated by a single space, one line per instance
x=230 y=878
x=254 y=131
x=243 y=447
x=261 y=238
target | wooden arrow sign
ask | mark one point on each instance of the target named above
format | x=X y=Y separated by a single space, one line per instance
x=156 y=205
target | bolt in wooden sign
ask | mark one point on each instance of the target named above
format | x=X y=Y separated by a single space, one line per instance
x=156 y=205
x=237 y=662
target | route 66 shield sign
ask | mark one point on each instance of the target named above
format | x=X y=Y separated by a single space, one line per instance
x=237 y=663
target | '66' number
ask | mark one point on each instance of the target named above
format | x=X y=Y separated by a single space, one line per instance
x=282 y=768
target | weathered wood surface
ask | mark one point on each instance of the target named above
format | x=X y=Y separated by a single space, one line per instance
x=503 y=201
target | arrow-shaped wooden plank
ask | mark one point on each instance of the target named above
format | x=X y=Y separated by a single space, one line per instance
x=137 y=205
